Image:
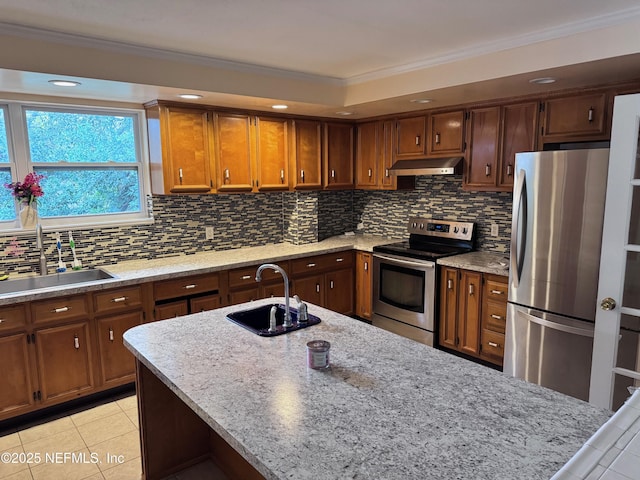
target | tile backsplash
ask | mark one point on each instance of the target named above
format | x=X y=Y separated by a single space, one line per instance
x=241 y=220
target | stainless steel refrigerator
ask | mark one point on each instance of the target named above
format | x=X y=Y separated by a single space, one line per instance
x=558 y=211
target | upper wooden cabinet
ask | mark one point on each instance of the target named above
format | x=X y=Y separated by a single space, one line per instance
x=272 y=153
x=338 y=156
x=411 y=139
x=374 y=158
x=575 y=118
x=306 y=161
x=494 y=135
x=436 y=134
x=179 y=150
x=233 y=152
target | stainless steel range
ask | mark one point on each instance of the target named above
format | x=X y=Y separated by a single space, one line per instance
x=405 y=277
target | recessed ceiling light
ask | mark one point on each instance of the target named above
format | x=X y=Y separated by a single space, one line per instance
x=280 y=107
x=542 y=80
x=190 y=96
x=344 y=113
x=421 y=100
x=64 y=83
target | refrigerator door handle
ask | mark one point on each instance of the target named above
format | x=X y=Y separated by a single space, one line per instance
x=585 y=332
x=519 y=205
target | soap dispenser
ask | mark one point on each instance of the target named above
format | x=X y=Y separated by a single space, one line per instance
x=303 y=314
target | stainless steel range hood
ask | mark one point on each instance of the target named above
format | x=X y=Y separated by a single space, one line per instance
x=426 y=166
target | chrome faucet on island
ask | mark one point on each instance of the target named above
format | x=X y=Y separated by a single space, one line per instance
x=287 y=312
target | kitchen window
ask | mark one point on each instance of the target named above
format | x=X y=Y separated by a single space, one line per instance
x=93 y=161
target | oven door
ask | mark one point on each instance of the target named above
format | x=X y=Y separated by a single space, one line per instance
x=404 y=290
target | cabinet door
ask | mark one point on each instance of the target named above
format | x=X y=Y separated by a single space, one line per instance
x=272 y=153
x=368 y=154
x=519 y=134
x=233 y=152
x=308 y=153
x=447 y=336
x=202 y=304
x=339 y=291
x=171 y=310
x=186 y=141
x=575 y=118
x=338 y=152
x=244 y=295
x=411 y=139
x=364 y=264
x=470 y=298
x=446 y=133
x=273 y=290
x=310 y=289
x=387 y=181
x=64 y=361
x=116 y=361
x=482 y=162
x=15 y=375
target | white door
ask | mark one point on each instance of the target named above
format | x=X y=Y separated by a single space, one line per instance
x=616 y=348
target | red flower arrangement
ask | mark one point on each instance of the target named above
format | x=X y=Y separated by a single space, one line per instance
x=27 y=191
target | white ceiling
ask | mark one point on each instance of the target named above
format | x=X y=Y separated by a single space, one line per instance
x=365 y=56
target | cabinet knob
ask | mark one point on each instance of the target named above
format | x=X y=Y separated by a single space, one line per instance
x=487 y=169
x=1 y=320
x=333 y=174
x=509 y=170
x=339 y=259
x=111 y=334
x=386 y=172
x=281 y=175
x=497 y=317
x=227 y=174
x=590 y=117
x=311 y=265
x=318 y=287
x=370 y=173
x=366 y=269
x=76 y=342
x=331 y=284
x=246 y=277
x=497 y=292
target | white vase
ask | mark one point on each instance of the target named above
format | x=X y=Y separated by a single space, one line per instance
x=29 y=216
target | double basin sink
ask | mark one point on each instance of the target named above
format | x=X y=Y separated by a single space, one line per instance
x=71 y=277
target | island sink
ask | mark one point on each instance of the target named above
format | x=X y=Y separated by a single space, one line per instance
x=54 y=280
x=256 y=320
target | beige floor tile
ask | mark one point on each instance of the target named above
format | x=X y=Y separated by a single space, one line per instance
x=76 y=468
x=22 y=475
x=15 y=463
x=46 y=430
x=63 y=442
x=128 y=403
x=97 y=476
x=95 y=413
x=105 y=428
x=9 y=441
x=117 y=450
x=133 y=416
x=131 y=470
x=201 y=471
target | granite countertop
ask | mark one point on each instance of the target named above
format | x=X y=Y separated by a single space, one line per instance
x=137 y=271
x=486 y=262
x=388 y=407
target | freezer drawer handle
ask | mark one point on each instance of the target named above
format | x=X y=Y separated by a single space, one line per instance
x=557 y=326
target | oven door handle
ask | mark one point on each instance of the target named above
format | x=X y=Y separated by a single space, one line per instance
x=405 y=262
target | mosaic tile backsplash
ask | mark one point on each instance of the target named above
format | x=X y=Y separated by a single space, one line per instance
x=243 y=220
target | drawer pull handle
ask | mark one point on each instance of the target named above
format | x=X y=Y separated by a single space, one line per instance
x=1 y=320
x=111 y=334
x=189 y=287
x=487 y=170
x=61 y=310
x=590 y=114
x=281 y=175
x=227 y=176
x=497 y=317
x=333 y=174
x=417 y=139
x=340 y=259
x=437 y=139
x=302 y=175
x=450 y=284
x=366 y=266
x=331 y=284
x=370 y=173
x=471 y=289
x=246 y=277
x=76 y=342
x=318 y=287
x=311 y=265
x=493 y=344
x=497 y=292
x=386 y=172
x=509 y=170
x=119 y=299
x=180 y=175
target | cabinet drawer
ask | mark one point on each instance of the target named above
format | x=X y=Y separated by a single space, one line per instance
x=181 y=287
x=117 y=299
x=492 y=344
x=318 y=263
x=201 y=304
x=495 y=317
x=241 y=277
x=60 y=309
x=496 y=288
x=11 y=317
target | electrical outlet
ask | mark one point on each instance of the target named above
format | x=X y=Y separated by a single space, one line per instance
x=494 y=230
x=360 y=226
x=208 y=233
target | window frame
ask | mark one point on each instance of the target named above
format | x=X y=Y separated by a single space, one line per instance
x=21 y=164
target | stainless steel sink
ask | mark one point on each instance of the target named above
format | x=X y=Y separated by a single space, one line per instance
x=54 y=280
x=256 y=320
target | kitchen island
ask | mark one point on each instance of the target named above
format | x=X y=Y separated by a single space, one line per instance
x=387 y=407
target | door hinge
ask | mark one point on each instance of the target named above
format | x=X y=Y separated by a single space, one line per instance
x=464 y=146
x=37 y=395
x=467 y=115
x=33 y=338
x=541 y=107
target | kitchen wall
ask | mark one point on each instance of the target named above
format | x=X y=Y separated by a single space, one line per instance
x=242 y=220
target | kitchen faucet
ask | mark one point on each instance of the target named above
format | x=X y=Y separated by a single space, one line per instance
x=287 y=313
x=40 y=247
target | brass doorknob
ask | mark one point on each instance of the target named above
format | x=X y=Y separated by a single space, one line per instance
x=608 y=304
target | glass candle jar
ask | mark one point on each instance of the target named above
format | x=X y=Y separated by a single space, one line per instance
x=318 y=354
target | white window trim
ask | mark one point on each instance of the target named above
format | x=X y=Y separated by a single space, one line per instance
x=21 y=165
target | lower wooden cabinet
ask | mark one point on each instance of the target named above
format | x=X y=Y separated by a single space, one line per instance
x=364 y=284
x=117 y=362
x=472 y=313
x=16 y=385
x=175 y=309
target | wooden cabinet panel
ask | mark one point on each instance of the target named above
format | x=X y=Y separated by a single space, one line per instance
x=484 y=134
x=339 y=291
x=575 y=118
x=244 y=295
x=307 y=171
x=117 y=299
x=60 y=309
x=272 y=153
x=493 y=346
x=310 y=289
x=519 y=133
x=202 y=304
x=470 y=304
x=15 y=375
x=338 y=155
x=447 y=335
x=191 y=285
x=273 y=290
x=494 y=318
x=12 y=317
x=116 y=361
x=368 y=154
x=233 y=152
x=446 y=133
x=411 y=141
x=388 y=181
x=364 y=284
x=164 y=311
x=64 y=361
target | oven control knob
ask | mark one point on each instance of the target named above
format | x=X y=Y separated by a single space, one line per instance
x=455 y=229
x=464 y=230
x=422 y=226
x=414 y=225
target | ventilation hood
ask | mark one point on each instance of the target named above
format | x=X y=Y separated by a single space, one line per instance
x=426 y=166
